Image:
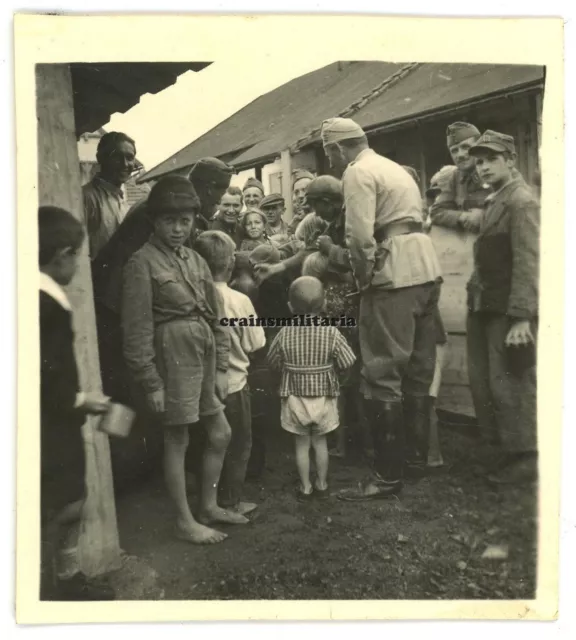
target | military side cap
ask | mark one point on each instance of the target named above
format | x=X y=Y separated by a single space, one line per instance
x=337 y=129
x=493 y=141
x=457 y=132
x=211 y=170
x=253 y=182
x=272 y=200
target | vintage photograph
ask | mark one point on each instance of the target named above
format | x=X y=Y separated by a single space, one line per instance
x=288 y=330
x=393 y=459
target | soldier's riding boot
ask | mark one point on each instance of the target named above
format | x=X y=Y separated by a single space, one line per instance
x=387 y=422
x=417 y=421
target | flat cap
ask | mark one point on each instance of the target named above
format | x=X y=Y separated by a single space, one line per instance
x=301 y=174
x=272 y=200
x=457 y=132
x=337 y=129
x=493 y=141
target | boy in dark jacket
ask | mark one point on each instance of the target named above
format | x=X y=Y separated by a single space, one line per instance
x=503 y=308
x=62 y=409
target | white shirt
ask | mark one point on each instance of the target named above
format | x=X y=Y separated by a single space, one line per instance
x=243 y=340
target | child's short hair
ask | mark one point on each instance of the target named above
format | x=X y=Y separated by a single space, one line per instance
x=306 y=295
x=217 y=249
x=57 y=229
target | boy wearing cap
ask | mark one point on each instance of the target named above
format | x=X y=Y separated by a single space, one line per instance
x=273 y=207
x=503 y=308
x=398 y=278
x=459 y=204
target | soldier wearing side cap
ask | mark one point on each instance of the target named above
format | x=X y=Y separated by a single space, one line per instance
x=459 y=204
x=503 y=309
x=398 y=278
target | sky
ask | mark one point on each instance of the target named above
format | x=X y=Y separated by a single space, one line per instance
x=164 y=123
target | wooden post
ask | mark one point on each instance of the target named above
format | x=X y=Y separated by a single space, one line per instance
x=286 y=169
x=59 y=185
x=258 y=171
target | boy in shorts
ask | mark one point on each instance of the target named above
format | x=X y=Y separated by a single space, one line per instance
x=310 y=358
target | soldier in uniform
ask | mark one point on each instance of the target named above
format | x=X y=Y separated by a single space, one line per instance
x=459 y=204
x=503 y=308
x=398 y=278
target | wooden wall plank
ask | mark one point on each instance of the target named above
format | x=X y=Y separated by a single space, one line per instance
x=59 y=185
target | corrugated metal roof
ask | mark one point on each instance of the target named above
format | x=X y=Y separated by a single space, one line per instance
x=277 y=119
x=101 y=89
x=293 y=113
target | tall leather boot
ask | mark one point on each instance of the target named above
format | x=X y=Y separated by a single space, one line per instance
x=417 y=420
x=387 y=427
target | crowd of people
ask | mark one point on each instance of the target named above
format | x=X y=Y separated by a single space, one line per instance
x=180 y=278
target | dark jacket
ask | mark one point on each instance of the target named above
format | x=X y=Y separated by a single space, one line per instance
x=62 y=447
x=506 y=254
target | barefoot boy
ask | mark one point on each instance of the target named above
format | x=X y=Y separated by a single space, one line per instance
x=309 y=357
x=218 y=250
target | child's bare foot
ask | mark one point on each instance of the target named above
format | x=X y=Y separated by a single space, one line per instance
x=221 y=516
x=199 y=534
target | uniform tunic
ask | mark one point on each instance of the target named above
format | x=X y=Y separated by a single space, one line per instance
x=398 y=277
x=504 y=289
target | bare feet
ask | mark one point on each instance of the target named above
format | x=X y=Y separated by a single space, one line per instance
x=199 y=534
x=221 y=516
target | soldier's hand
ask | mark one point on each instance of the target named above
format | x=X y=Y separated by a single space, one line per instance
x=519 y=334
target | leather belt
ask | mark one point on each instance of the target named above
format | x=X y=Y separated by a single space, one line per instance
x=397 y=229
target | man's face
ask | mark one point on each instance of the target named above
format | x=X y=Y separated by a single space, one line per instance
x=324 y=208
x=65 y=265
x=274 y=213
x=230 y=207
x=118 y=166
x=174 y=228
x=460 y=156
x=494 y=168
x=252 y=197
x=336 y=158
x=299 y=194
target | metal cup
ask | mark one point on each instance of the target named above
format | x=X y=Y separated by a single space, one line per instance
x=117 y=421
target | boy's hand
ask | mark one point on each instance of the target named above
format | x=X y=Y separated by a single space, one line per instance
x=519 y=334
x=324 y=243
x=95 y=403
x=156 y=401
x=222 y=385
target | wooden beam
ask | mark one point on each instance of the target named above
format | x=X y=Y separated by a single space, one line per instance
x=258 y=171
x=286 y=169
x=59 y=185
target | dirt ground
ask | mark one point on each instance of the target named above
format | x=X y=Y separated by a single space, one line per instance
x=426 y=544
